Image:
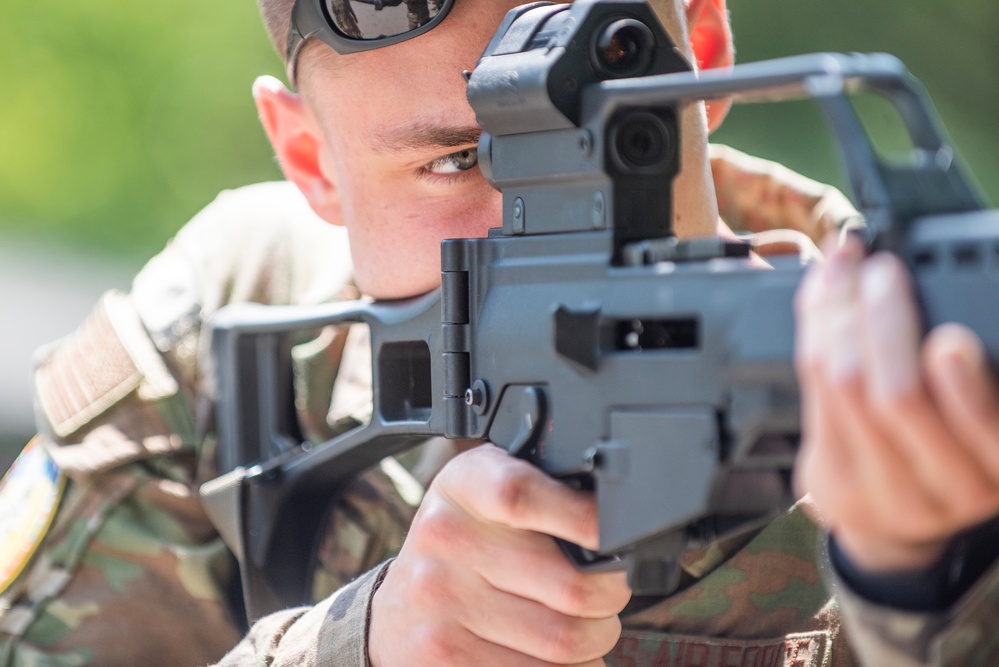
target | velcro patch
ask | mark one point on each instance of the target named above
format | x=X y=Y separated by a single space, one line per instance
x=29 y=498
x=106 y=359
x=658 y=649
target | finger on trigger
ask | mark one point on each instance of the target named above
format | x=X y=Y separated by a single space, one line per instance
x=505 y=490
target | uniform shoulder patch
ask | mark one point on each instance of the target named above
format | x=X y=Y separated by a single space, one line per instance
x=29 y=497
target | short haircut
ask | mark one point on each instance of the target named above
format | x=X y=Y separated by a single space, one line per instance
x=277 y=18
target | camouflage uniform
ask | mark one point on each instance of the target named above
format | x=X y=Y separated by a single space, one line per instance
x=131 y=572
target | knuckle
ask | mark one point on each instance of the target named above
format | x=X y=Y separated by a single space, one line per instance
x=436 y=645
x=577 y=596
x=594 y=595
x=574 y=640
x=513 y=490
x=437 y=526
x=427 y=582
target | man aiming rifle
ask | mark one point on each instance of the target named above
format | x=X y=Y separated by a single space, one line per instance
x=899 y=451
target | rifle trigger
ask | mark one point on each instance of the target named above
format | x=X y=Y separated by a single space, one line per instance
x=520 y=416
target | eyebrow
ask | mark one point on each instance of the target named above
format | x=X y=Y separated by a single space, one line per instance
x=421 y=135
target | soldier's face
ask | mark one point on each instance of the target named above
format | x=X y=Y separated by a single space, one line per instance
x=398 y=149
x=400 y=140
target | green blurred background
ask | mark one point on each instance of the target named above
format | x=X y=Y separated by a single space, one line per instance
x=119 y=120
x=951 y=46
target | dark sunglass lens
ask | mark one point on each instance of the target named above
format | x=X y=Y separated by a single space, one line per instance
x=372 y=19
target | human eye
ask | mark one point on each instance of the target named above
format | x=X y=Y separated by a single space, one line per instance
x=453 y=163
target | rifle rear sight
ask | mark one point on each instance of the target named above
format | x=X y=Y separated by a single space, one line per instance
x=582 y=334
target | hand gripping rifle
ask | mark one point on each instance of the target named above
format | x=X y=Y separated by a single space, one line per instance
x=582 y=335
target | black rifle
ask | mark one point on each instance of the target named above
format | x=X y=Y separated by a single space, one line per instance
x=583 y=335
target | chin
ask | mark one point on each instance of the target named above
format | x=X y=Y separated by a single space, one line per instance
x=403 y=288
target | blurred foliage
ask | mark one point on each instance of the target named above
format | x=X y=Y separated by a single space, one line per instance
x=950 y=46
x=120 y=119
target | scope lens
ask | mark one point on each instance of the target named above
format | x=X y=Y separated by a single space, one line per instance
x=641 y=141
x=624 y=48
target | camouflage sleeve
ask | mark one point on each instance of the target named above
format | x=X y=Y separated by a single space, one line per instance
x=763 y=197
x=964 y=634
x=333 y=633
x=123 y=567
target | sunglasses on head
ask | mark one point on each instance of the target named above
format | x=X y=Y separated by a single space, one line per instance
x=349 y=26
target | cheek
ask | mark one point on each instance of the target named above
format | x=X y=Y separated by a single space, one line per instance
x=396 y=234
x=471 y=215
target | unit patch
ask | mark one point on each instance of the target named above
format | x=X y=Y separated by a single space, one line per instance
x=29 y=498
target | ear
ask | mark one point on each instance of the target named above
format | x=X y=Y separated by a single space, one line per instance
x=298 y=143
x=711 y=40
